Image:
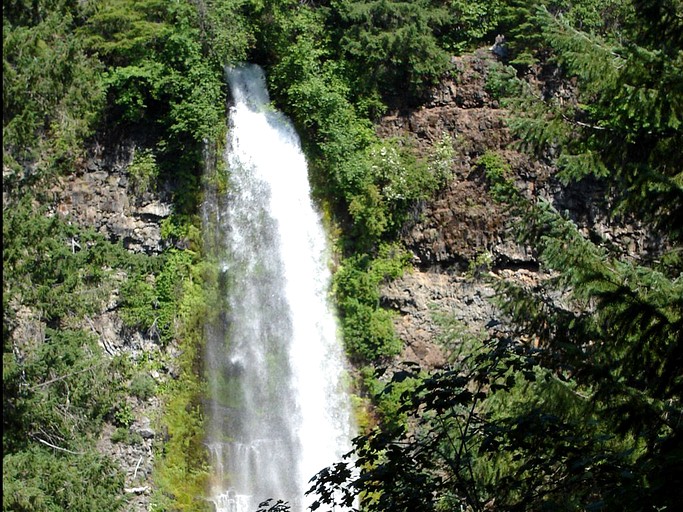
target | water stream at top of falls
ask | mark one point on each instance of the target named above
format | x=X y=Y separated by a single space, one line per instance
x=278 y=411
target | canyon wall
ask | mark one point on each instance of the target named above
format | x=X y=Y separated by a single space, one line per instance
x=461 y=241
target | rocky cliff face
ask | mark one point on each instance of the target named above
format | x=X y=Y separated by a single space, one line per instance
x=462 y=231
x=462 y=221
x=99 y=195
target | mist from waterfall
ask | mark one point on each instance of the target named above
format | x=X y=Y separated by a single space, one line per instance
x=278 y=410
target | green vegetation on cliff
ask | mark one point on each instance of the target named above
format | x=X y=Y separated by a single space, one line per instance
x=51 y=417
x=74 y=72
x=579 y=407
x=586 y=417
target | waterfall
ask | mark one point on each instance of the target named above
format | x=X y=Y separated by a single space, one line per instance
x=278 y=411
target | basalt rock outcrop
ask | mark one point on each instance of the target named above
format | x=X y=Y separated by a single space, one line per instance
x=462 y=233
x=462 y=221
x=99 y=195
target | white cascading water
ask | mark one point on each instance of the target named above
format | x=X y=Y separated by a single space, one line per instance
x=278 y=408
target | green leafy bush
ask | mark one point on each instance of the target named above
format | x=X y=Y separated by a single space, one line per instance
x=391 y=45
x=502 y=81
x=143 y=172
x=182 y=469
x=367 y=327
x=470 y=23
x=123 y=414
x=138 y=302
x=497 y=171
x=44 y=480
x=142 y=386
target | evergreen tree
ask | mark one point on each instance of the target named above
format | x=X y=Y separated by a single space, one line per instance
x=391 y=45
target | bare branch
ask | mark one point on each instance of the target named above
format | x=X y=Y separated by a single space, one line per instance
x=56 y=447
x=62 y=377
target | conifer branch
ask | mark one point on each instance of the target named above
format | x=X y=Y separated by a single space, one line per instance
x=559 y=22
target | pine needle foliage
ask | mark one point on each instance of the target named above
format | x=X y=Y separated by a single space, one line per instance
x=625 y=122
x=614 y=325
x=55 y=274
x=52 y=93
x=391 y=45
